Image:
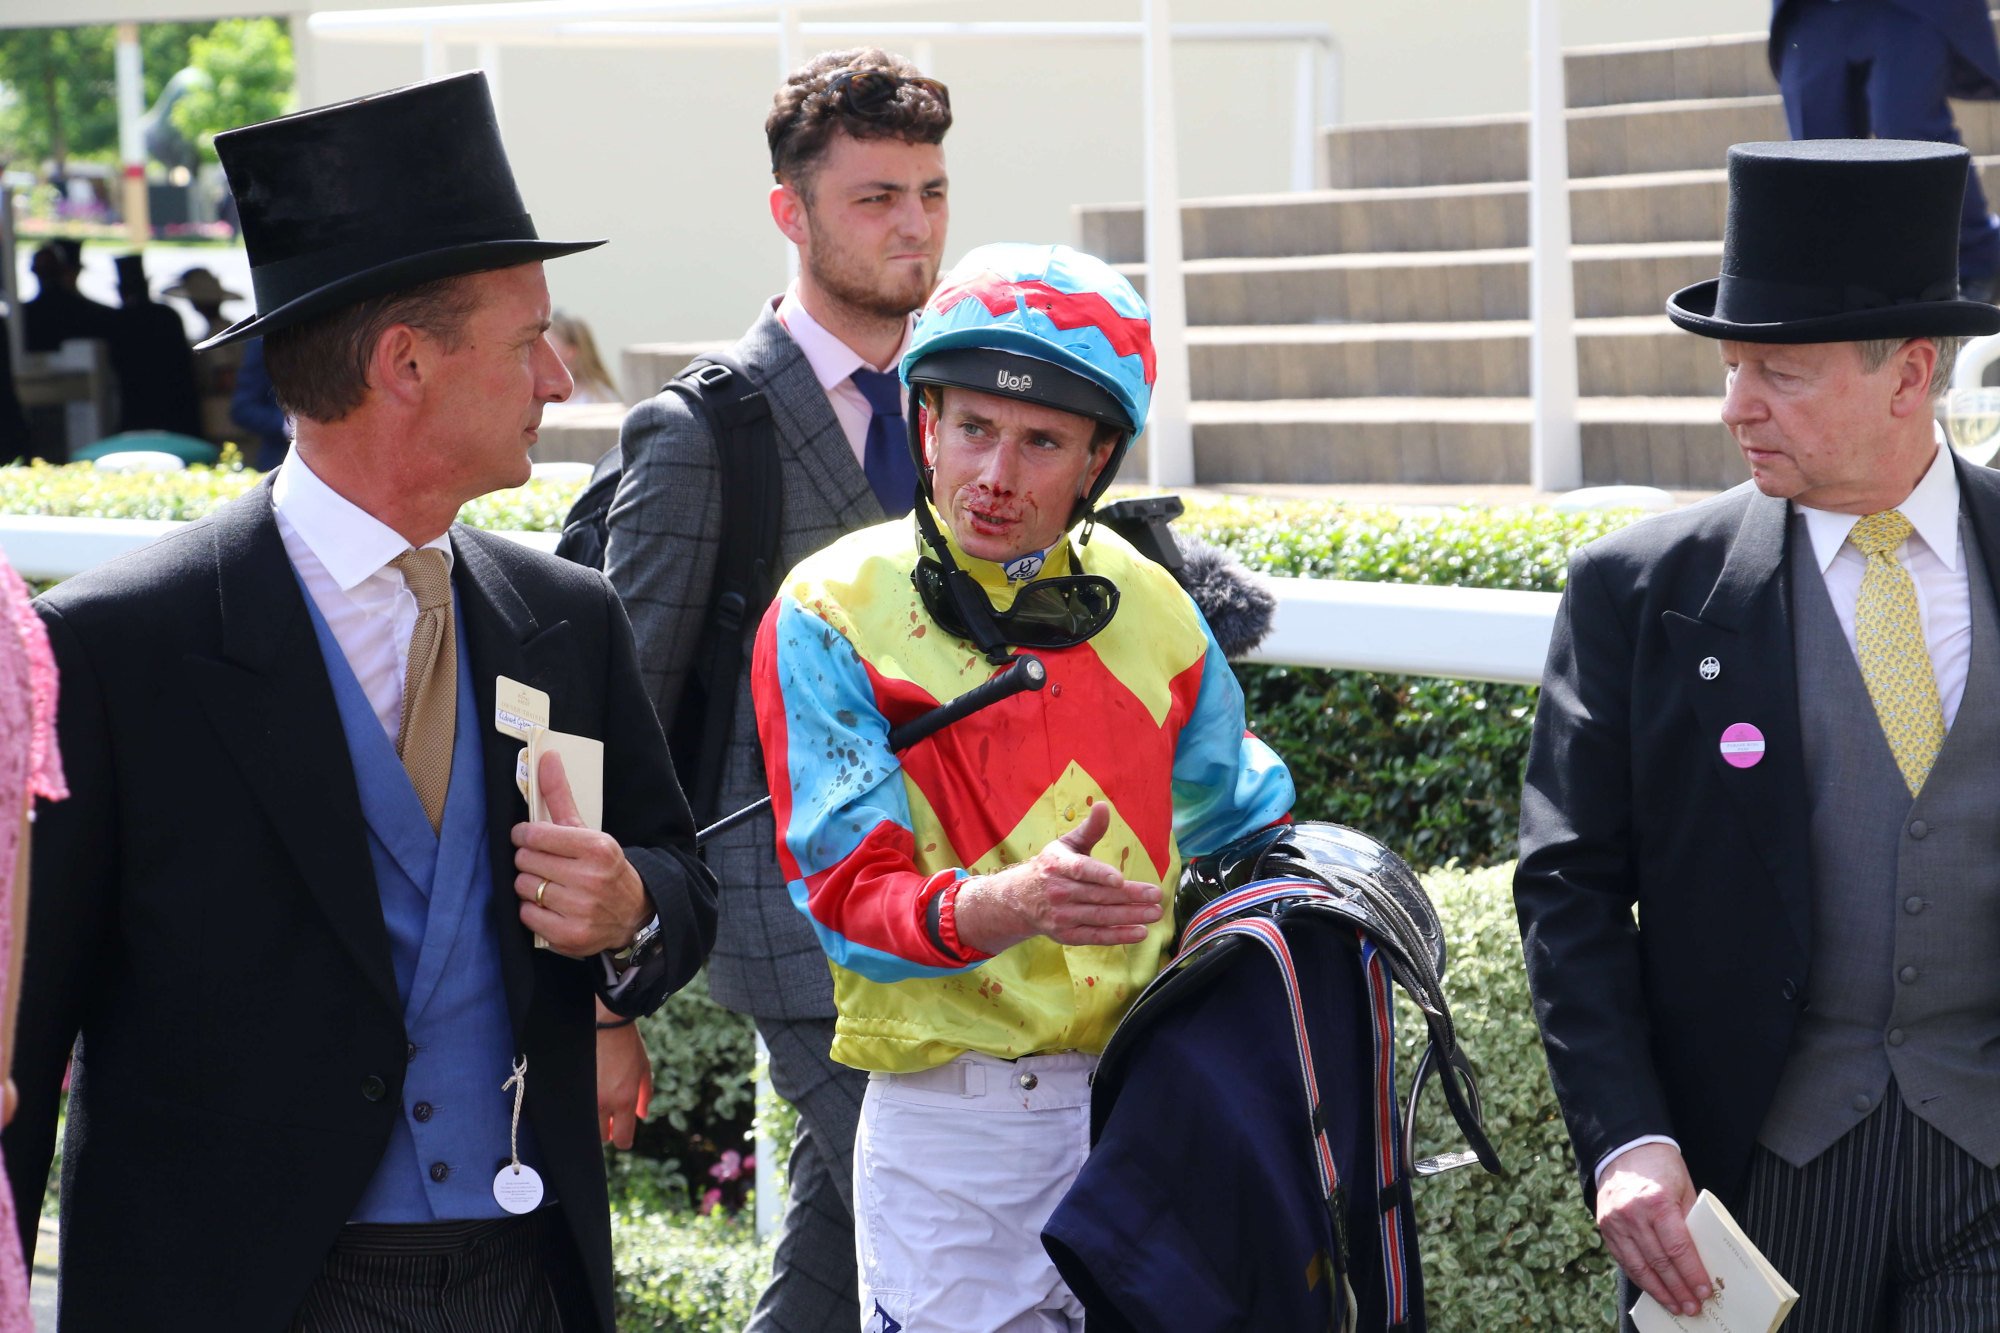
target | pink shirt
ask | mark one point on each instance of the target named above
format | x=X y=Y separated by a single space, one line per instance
x=834 y=363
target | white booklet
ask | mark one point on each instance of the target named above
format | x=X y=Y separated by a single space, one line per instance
x=1749 y=1296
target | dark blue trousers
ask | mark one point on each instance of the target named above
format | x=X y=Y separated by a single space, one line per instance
x=1852 y=69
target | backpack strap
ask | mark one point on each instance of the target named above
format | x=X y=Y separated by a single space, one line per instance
x=717 y=387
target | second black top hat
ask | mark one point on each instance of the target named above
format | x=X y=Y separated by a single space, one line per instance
x=363 y=198
x=1838 y=240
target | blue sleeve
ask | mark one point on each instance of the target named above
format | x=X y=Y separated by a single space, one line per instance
x=1227 y=783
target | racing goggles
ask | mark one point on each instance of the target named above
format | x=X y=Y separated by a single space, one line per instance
x=1048 y=613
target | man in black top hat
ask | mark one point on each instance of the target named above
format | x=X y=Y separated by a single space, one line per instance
x=150 y=355
x=324 y=1077
x=58 y=312
x=1767 y=724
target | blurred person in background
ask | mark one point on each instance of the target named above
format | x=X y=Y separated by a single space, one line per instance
x=58 y=312
x=216 y=369
x=578 y=350
x=205 y=292
x=253 y=409
x=152 y=359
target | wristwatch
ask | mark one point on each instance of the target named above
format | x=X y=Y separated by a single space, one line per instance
x=636 y=950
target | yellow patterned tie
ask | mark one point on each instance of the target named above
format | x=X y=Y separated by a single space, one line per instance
x=1889 y=639
x=430 y=681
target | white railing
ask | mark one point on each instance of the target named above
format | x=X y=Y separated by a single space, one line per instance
x=1404 y=628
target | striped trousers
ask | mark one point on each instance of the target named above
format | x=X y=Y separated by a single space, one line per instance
x=441 y=1277
x=1894 y=1229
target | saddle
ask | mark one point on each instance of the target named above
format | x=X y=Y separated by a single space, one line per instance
x=1339 y=918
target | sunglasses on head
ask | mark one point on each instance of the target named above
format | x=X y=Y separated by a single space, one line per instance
x=866 y=94
x=869 y=92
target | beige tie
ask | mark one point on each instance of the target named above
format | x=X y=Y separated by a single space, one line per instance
x=1889 y=640
x=430 y=682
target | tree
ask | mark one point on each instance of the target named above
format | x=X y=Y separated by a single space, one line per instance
x=248 y=63
x=64 y=87
x=65 y=98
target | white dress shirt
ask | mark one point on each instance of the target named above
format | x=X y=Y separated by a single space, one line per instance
x=833 y=363
x=1935 y=559
x=342 y=555
x=1936 y=564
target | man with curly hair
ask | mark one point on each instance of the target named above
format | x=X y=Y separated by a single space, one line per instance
x=860 y=189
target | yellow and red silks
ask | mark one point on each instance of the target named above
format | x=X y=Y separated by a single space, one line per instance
x=1146 y=715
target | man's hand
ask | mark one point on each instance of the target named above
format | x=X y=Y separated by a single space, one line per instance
x=624 y=1080
x=1062 y=892
x=593 y=900
x=1643 y=1199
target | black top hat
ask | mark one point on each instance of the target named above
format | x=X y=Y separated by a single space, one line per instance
x=363 y=198
x=1838 y=240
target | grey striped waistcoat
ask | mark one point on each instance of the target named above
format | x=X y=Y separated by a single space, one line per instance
x=1905 y=977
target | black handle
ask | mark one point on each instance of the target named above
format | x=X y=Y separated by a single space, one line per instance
x=1025 y=673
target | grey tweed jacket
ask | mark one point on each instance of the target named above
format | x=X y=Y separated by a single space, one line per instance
x=664 y=530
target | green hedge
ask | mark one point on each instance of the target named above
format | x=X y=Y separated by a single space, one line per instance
x=678 y=1273
x=1513 y=1252
x=1430 y=766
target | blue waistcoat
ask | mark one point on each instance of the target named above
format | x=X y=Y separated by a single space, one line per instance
x=436 y=894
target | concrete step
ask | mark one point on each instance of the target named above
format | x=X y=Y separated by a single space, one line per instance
x=1616 y=140
x=1611 y=280
x=1675 y=443
x=1636 y=356
x=1729 y=66
x=645 y=367
x=1669 y=206
x=1603 y=210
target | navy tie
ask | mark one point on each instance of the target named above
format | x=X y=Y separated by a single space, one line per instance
x=886 y=459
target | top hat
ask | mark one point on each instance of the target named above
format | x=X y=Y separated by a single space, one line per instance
x=1838 y=240
x=132 y=269
x=199 y=286
x=360 y=199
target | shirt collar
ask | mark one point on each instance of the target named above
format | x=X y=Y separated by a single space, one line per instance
x=348 y=540
x=832 y=360
x=1932 y=509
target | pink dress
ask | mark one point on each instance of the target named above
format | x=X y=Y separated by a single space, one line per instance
x=29 y=766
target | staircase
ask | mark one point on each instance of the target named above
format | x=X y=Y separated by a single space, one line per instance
x=1377 y=331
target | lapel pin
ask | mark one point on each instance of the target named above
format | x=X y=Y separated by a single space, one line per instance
x=1742 y=745
x=1710 y=668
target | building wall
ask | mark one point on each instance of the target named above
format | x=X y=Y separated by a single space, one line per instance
x=662 y=149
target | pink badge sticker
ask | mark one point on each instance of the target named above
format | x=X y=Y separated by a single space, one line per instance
x=1742 y=745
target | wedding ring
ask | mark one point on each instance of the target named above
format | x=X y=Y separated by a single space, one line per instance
x=540 y=889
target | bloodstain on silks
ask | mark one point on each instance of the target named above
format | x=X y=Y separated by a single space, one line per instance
x=1090 y=981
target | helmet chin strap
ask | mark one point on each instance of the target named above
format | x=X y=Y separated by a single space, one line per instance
x=968 y=598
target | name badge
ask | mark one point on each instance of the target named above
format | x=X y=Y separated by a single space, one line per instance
x=519 y=710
